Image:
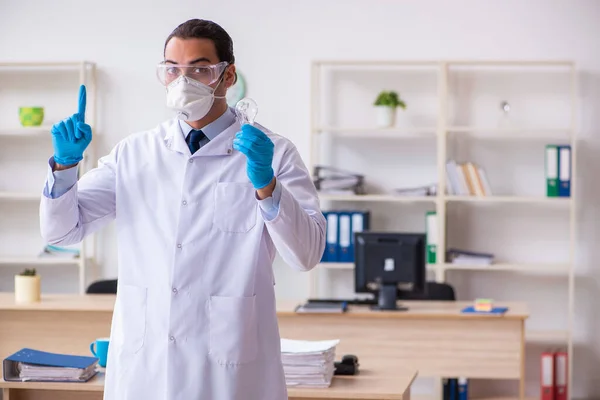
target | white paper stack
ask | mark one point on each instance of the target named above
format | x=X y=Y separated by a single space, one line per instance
x=308 y=363
x=30 y=372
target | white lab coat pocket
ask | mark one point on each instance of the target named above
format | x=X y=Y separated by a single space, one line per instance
x=235 y=207
x=133 y=310
x=233 y=330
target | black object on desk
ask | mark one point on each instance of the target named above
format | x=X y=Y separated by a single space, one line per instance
x=353 y=302
x=323 y=307
x=389 y=264
x=348 y=365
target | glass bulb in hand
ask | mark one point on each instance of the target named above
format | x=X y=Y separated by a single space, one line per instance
x=246 y=110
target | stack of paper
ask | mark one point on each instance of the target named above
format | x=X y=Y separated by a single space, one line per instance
x=337 y=181
x=30 y=372
x=429 y=190
x=308 y=363
x=462 y=257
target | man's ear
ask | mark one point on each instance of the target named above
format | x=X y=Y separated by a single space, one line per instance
x=230 y=76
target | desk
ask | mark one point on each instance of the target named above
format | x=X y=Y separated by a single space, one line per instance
x=369 y=385
x=433 y=338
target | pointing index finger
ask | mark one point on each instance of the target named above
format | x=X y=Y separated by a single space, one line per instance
x=82 y=101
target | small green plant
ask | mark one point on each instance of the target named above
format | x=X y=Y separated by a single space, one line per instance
x=28 y=272
x=390 y=99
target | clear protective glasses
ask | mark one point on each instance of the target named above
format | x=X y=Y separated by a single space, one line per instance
x=206 y=74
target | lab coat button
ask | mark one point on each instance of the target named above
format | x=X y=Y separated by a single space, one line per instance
x=175 y=290
x=179 y=246
x=184 y=203
x=191 y=160
x=172 y=338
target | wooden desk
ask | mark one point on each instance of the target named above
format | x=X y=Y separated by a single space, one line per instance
x=369 y=385
x=433 y=338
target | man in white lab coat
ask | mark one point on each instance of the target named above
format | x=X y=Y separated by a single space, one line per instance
x=201 y=205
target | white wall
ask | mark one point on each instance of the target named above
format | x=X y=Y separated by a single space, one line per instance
x=274 y=44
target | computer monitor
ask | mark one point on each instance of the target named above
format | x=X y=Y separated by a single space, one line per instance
x=389 y=263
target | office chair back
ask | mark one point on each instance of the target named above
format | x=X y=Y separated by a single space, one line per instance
x=435 y=291
x=108 y=286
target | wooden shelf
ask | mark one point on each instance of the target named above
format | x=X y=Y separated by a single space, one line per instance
x=26 y=132
x=336 y=265
x=19 y=196
x=515 y=130
x=371 y=132
x=547 y=336
x=32 y=261
x=350 y=266
x=390 y=198
x=509 y=199
x=517 y=267
x=52 y=66
x=504 y=398
x=378 y=198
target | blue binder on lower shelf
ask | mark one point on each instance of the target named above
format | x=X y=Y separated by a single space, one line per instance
x=40 y=366
x=345 y=249
x=332 y=235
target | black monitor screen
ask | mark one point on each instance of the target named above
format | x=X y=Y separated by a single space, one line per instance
x=389 y=259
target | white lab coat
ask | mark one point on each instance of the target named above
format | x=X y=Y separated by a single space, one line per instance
x=195 y=312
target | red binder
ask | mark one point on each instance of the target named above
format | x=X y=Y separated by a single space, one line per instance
x=561 y=374
x=547 y=376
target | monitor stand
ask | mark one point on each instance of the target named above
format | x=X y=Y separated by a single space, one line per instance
x=386 y=301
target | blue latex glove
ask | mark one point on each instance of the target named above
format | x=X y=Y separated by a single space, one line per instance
x=71 y=136
x=258 y=149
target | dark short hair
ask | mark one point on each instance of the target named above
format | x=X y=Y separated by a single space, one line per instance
x=203 y=29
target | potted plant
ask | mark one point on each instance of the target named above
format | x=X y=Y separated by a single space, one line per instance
x=386 y=104
x=27 y=287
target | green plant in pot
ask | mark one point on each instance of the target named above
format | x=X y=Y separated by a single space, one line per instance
x=386 y=104
x=27 y=287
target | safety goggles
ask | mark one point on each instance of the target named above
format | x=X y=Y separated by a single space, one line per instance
x=207 y=74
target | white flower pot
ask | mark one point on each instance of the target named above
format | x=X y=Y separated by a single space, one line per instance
x=27 y=289
x=386 y=116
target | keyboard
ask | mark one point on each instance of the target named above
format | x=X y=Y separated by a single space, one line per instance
x=355 y=302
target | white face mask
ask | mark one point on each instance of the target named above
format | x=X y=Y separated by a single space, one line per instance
x=191 y=99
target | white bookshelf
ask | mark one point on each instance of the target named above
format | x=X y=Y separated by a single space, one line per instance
x=48 y=76
x=340 y=115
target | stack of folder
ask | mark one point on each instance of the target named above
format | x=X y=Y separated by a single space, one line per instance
x=341 y=227
x=558 y=170
x=554 y=375
x=308 y=363
x=34 y=365
x=455 y=389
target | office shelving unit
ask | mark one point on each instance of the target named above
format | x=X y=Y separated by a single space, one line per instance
x=25 y=137
x=449 y=125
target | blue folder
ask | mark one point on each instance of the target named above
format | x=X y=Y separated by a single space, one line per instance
x=332 y=237
x=345 y=248
x=42 y=358
x=494 y=311
x=564 y=171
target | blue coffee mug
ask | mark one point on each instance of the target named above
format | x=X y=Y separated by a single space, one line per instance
x=99 y=349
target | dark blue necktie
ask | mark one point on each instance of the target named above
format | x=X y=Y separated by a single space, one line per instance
x=194 y=139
